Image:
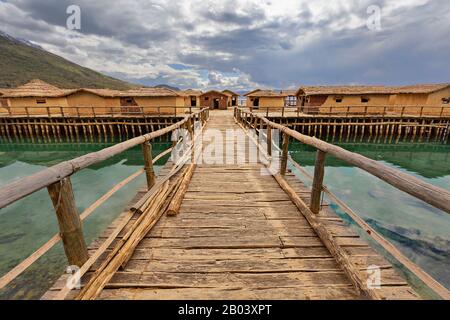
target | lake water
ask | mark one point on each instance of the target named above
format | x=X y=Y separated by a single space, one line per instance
x=30 y=222
x=422 y=233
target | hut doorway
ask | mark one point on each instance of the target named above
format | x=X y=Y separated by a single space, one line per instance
x=216 y=104
x=256 y=102
x=193 y=101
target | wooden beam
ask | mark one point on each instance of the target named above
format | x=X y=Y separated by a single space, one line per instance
x=175 y=204
x=319 y=172
x=69 y=222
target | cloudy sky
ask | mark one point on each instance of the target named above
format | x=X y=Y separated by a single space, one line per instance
x=243 y=44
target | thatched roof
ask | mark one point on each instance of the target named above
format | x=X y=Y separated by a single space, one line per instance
x=258 y=93
x=150 y=92
x=360 y=90
x=39 y=88
x=214 y=92
x=230 y=93
x=191 y=92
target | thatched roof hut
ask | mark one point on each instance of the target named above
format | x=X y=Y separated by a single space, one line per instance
x=369 y=90
x=270 y=98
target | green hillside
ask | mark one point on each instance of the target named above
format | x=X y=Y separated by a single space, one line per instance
x=20 y=63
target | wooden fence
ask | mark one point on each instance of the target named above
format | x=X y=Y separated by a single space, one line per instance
x=435 y=196
x=57 y=181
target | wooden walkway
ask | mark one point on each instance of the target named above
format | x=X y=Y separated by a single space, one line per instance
x=239 y=236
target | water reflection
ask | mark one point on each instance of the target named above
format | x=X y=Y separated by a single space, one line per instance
x=420 y=231
x=29 y=223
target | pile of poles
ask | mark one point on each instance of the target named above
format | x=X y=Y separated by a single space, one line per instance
x=165 y=197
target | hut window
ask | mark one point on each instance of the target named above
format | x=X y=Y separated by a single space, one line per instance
x=365 y=99
x=41 y=101
x=445 y=100
x=290 y=101
x=193 y=101
x=338 y=99
x=206 y=98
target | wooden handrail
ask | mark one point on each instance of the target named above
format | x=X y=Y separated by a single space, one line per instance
x=62 y=173
x=318 y=188
x=435 y=196
x=21 y=188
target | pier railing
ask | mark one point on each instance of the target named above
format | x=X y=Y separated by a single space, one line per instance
x=96 y=111
x=355 y=110
x=430 y=194
x=57 y=181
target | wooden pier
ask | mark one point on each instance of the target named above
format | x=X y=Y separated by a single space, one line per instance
x=86 y=125
x=241 y=230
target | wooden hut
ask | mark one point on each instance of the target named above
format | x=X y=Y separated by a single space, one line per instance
x=153 y=100
x=233 y=98
x=39 y=96
x=214 y=100
x=374 y=99
x=88 y=102
x=191 y=97
x=270 y=98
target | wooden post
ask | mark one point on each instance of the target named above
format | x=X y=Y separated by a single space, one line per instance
x=284 y=156
x=269 y=140
x=148 y=164
x=69 y=222
x=319 y=172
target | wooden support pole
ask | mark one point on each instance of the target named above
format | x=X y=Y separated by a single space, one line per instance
x=284 y=156
x=69 y=222
x=319 y=172
x=148 y=164
x=269 y=140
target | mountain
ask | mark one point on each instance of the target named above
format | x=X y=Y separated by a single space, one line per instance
x=22 y=61
x=166 y=86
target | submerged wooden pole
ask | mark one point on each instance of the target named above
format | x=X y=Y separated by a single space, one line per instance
x=319 y=172
x=69 y=221
x=148 y=164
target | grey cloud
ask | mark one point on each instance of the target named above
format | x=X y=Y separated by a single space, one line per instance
x=274 y=51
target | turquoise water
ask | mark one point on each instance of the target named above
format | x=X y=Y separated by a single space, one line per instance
x=420 y=231
x=30 y=222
